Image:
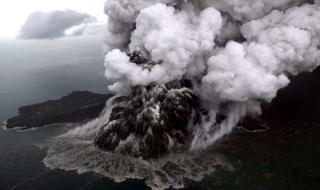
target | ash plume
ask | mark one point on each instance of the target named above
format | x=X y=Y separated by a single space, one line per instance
x=237 y=54
x=185 y=73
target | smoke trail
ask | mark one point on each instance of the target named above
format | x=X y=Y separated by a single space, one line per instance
x=237 y=53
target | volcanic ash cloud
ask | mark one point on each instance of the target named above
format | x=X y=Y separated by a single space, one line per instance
x=237 y=54
x=186 y=73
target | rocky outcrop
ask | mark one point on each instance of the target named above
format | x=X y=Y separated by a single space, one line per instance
x=153 y=120
x=79 y=106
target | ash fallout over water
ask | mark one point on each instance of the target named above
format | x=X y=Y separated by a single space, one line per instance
x=185 y=73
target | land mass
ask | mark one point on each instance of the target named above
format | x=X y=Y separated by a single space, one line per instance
x=298 y=101
x=78 y=106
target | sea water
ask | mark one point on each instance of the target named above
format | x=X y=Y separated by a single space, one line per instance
x=36 y=71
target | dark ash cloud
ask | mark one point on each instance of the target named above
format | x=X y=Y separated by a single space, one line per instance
x=49 y=25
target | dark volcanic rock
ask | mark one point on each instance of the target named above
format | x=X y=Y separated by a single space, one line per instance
x=79 y=106
x=151 y=121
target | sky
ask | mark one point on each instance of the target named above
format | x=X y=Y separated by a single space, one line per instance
x=13 y=13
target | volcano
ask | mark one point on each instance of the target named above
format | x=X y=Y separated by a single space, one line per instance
x=153 y=119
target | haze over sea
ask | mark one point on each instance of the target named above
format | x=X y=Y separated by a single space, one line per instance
x=36 y=71
x=33 y=71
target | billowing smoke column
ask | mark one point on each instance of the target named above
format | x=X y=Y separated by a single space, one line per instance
x=235 y=55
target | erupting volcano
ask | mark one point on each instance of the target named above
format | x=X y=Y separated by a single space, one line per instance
x=185 y=73
x=234 y=55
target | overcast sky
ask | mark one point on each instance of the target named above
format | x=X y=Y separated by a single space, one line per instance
x=13 y=13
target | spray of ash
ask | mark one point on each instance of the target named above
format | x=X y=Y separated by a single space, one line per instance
x=75 y=151
x=236 y=53
x=234 y=56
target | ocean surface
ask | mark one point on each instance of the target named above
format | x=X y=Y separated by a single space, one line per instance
x=36 y=71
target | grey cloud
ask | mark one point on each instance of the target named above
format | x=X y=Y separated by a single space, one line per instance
x=87 y=29
x=49 y=25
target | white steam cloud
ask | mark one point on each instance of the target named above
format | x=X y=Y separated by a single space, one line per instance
x=54 y=24
x=238 y=53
